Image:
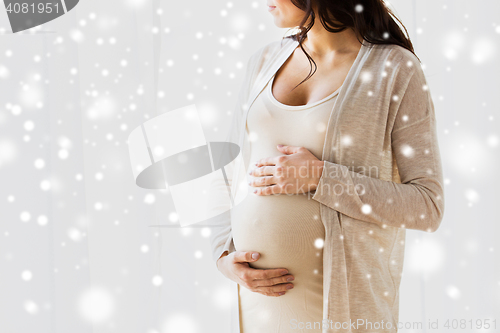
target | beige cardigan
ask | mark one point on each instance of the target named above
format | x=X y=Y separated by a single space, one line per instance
x=381 y=139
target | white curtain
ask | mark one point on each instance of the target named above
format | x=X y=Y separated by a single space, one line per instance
x=83 y=249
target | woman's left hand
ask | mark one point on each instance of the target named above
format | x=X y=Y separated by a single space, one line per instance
x=298 y=171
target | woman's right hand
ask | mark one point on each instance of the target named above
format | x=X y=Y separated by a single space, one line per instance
x=268 y=282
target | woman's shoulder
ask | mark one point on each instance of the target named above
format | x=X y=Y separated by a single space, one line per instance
x=386 y=57
x=397 y=53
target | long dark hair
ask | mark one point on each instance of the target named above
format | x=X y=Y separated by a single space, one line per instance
x=371 y=19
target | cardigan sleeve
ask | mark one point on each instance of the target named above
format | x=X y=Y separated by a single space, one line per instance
x=221 y=239
x=415 y=203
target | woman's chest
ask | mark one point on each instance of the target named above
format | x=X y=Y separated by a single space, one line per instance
x=268 y=125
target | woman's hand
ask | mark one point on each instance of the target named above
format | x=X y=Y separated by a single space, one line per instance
x=268 y=282
x=299 y=171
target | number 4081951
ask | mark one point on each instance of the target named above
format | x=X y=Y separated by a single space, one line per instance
x=31 y=8
x=469 y=324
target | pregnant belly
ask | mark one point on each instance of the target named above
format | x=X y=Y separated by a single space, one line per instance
x=284 y=229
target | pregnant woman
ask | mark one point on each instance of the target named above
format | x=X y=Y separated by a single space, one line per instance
x=336 y=164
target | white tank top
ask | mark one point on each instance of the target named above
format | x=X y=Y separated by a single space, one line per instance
x=283 y=228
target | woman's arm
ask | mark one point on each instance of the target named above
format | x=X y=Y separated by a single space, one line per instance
x=220 y=237
x=415 y=203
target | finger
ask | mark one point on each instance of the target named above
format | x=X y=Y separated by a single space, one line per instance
x=264 y=274
x=266 y=161
x=263 y=181
x=246 y=256
x=274 y=281
x=274 y=290
x=267 y=170
x=263 y=171
x=268 y=190
x=254 y=277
